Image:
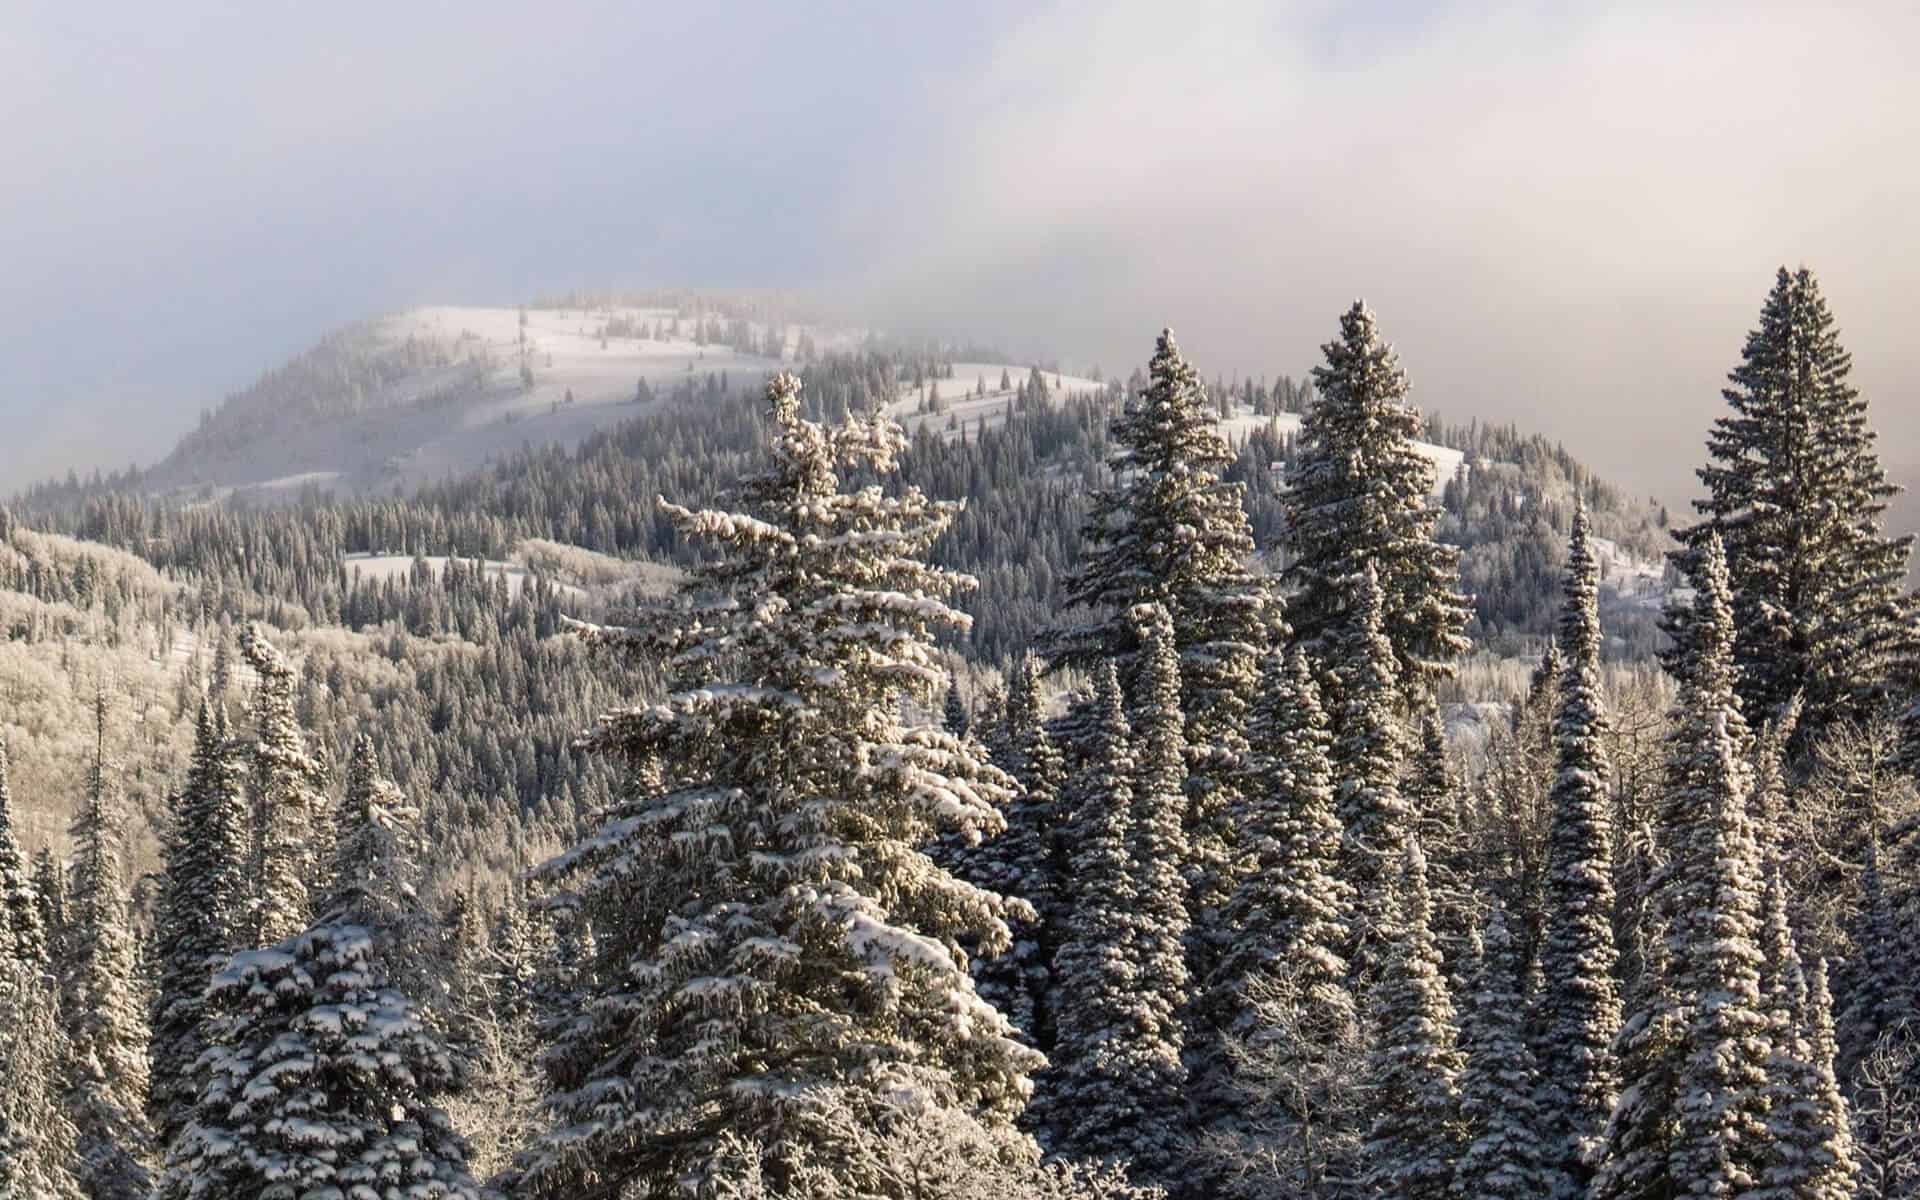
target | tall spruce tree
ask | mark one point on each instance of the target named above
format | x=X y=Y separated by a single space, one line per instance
x=812 y=948
x=36 y=1135
x=1376 y=821
x=22 y=933
x=50 y=899
x=288 y=803
x=1026 y=861
x=1414 y=1064
x=1277 y=1007
x=1822 y=1163
x=1692 y=1115
x=1358 y=495
x=1106 y=1092
x=372 y=881
x=106 y=1025
x=1287 y=921
x=320 y=1081
x=1156 y=845
x=201 y=914
x=1172 y=532
x=1500 y=1081
x=1435 y=800
x=1796 y=496
x=1579 y=1010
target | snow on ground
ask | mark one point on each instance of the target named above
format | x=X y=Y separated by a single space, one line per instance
x=1628 y=581
x=966 y=407
x=1242 y=424
x=574 y=571
x=292 y=483
x=378 y=568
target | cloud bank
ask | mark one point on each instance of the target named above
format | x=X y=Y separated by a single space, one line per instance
x=1566 y=220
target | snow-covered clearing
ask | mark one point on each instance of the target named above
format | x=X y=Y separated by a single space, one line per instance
x=1629 y=581
x=378 y=568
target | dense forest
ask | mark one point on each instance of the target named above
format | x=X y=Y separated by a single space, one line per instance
x=1169 y=789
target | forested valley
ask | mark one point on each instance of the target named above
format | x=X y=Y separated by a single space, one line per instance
x=1168 y=787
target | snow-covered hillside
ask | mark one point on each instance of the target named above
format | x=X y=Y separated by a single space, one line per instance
x=961 y=400
x=472 y=403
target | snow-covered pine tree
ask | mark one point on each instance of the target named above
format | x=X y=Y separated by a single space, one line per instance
x=1279 y=1018
x=288 y=801
x=320 y=1082
x=1500 y=1081
x=1433 y=795
x=1796 y=493
x=50 y=895
x=1826 y=1166
x=36 y=1135
x=1376 y=821
x=1414 y=1065
x=22 y=934
x=1809 y=1127
x=1722 y=1141
x=1172 y=532
x=1108 y=1088
x=812 y=945
x=201 y=914
x=1286 y=922
x=1155 y=845
x=374 y=871
x=1027 y=861
x=106 y=1026
x=954 y=714
x=1579 y=1009
x=1692 y=1112
x=1360 y=495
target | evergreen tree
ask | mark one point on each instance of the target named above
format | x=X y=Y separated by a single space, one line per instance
x=374 y=872
x=1692 y=1114
x=1812 y=1141
x=288 y=804
x=1359 y=495
x=1795 y=494
x=1823 y=1165
x=201 y=914
x=1579 y=1012
x=1376 y=822
x=954 y=714
x=1156 y=845
x=22 y=933
x=106 y=1027
x=36 y=1136
x=1433 y=796
x=1287 y=920
x=1414 y=1066
x=1280 y=1017
x=1172 y=532
x=50 y=897
x=810 y=944
x=1505 y=1149
x=1026 y=861
x=320 y=1082
x=1114 y=1068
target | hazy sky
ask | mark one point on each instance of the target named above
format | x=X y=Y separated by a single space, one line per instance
x=1565 y=219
